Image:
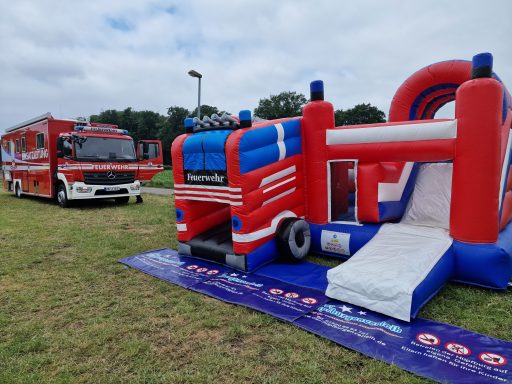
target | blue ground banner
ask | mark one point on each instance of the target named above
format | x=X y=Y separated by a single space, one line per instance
x=438 y=351
x=282 y=300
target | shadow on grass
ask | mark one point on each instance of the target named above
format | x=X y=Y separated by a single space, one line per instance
x=76 y=204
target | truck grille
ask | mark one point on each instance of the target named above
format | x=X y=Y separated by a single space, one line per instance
x=101 y=178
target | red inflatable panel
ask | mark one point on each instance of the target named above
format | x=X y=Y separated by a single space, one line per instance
x=477 y=166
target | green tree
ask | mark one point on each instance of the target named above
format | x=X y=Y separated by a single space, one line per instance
x=206 y=110
x=360 y=114
x=285 y=104
x=172 y=127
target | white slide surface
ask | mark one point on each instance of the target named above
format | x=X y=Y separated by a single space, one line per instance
x=383 y=274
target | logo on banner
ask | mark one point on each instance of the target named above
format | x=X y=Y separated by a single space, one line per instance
x=192 y=267
x=492 y=359
x=201 y=270
x=309 y=300
x=458 y=349
x=291 y=295
x=206 y=177
x=212 y=272
x=275 y=291
x=428 y=339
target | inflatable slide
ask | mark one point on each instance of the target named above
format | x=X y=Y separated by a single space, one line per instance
x=411 y=203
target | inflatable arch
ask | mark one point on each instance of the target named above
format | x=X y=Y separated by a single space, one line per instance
x=411 y=203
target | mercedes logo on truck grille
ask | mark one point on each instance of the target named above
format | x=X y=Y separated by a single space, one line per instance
x=111 y=175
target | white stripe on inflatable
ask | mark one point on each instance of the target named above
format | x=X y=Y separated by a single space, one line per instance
x=278 y=175
x=206 y=193
x=280 y=141
x=181 y=227
x=277 y=197
x=264 y=232
x=208 y=199
x=191 y=186
x=279 y=184
x=504 y=169
x=394 y=191
x=393 y=133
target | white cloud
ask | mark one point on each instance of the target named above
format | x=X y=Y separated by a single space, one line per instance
x=77 y=58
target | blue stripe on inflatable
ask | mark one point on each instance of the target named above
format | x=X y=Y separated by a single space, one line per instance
x=262 y=255
x=485 y=265
x=390 y=210
x=258 y=147
x=433 y=282
x=193 y=161
x=433 y=101
x=359 y=236
x=425 y=93
x=205 y=151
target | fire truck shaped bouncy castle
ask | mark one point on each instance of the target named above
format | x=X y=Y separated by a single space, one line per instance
x=411 y=203
x=76 y=160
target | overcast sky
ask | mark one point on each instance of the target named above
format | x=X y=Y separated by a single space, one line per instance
x=77 y=58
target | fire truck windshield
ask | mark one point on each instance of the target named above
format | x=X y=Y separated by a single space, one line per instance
x=105 y=149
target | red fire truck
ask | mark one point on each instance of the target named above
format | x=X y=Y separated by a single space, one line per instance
x=75 y=160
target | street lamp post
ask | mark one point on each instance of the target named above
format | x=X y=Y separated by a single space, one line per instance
x=199 y=76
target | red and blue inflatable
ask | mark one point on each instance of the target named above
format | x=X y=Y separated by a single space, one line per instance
x=411 y=203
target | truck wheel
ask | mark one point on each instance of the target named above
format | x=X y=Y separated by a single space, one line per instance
x=17 y=191
x=122 y=200
x=293 y=238
x=62 y=196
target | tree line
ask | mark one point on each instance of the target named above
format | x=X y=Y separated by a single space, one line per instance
x=151 y=125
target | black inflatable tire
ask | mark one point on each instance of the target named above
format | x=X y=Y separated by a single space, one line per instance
x=293 y=238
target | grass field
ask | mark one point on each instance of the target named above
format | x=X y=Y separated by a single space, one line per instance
x=69 y=313
x=163 y=179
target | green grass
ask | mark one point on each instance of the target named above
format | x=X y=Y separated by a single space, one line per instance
x=69 y=313
x=163 y=179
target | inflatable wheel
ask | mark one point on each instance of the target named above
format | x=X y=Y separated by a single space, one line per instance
x=293 y=238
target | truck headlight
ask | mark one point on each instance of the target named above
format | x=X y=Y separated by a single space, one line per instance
x=83 y=189
x=135 y=187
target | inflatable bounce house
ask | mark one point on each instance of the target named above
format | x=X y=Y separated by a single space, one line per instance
x=411 y=203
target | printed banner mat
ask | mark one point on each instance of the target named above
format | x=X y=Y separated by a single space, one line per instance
x=438 y=351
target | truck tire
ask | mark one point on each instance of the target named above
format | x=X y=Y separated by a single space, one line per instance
x=122 y=199
x=62 y=196
x=17 y=191
x=293 y=238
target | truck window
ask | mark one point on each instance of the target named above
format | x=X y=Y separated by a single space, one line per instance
x=17 y=146
x=67 y=148
x=23 y=145
x=153 y=150
x=40 y=141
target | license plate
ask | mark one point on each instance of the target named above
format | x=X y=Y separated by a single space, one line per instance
x=112 y=189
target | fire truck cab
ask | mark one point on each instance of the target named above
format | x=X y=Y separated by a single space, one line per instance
x=75 y=160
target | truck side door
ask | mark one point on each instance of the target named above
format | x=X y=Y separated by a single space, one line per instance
x=150 y=159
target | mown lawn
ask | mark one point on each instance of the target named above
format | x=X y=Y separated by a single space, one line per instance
x=163 y=179
x=69 y=313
